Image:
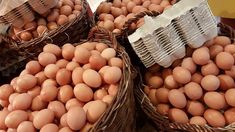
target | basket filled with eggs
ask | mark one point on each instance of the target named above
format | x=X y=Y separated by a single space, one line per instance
x=82 y=87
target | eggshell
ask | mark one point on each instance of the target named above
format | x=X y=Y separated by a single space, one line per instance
x=108 y=24
x=215 y=49
x=170 y=82
x=162 y=95
x=163 y=109
x=73 y=115
x=152 y=97
x=46 y=58
x=52 y=25
x=57 y=107
x=177 y=98
x=52 y=16
x=230 y=48
x=229 y=96
x=116 y=11
x=197 y=77
x=5 y=91
x=26 y=126
x=68 y=51
x=87 y=127
x=48 y=93
x=40 y=77
x=77 y=75
x=14 y=118
x=130 y=5
x=30 y=26
x=38 y=104
x=62 y=19
x=3 y=115
x=49 y=82
x=12 y=96
x=51 y=70
x=100 y=94
x=146 y=4
x=112 y=78
x=92 y=78
x=210 y=83
x=41 y=30
x=231 y=72
x=113 y=89
x=137 y=9
x=52 y=48
x=32 y=115
x=224 y=60
x=210 y=69
x=63 y=77
x=11 y=130
x=214 y=100
x=155 y=82
x=65 y=129
x=178 y=115
x=226 y=82
x=89 y=45
x=105 y=8
x=230 y=116
x=95 y=110
x=65 y=93
x=22 y=101
x=222 y=40
x=214 y=118
x=82 y=55
x=166 y=72
x=108 y=99
x=189 y=64
x=97 y=62
x=50 y=128
x=26 y=82
x=86 y=66
x=42 y=118
x=72 y=103
x=201 y=56
x=195 y=108
x=198 y=120
x=78 y=7
x=63 y=120
x=83 y=92
x=72 y=65
x=181 y=75
x=26 y=36
x=33 y=67
x=155 y=7
x=193 y=91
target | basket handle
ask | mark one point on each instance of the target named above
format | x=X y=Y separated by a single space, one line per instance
x=227 y=30
x=101 y=33
x=136 y=18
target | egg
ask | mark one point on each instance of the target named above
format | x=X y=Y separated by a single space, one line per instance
x=231 y=72
x=162 y=95
x=155 y=7
x=26 y=82
x=86 y=66
x=214 y=100
x=229 y=116
x=76 y=12
x=222 y=40
x=97 y=62
x=65 y=10
x=108 y=24
x=83 y=92
x=215 y=49
x=63 y=120
x=119 y=22
x=198 y=120
x=170 y=82
x=214 y=118
x=189 y=64
x=3 y=115
x=178 y=115
x=201 y=56
x=48 y=93
x=108 y=53
x=117 y=3
x=34 y=91
x=112 y=78
x=62 y=19
x=95 y=110
x=78 y=7
x=12 y=96
x=30 y=26
x=45 y=58
x=63 y=77
x=73 y=103
x=229 y=96
x=104 y=8
x=38 y=104
x=113 y=89
x=181 y=75
x=195 y=108
x=73 y=115
x=51 y=48
x=22 y=101
x=87 y=127
x=65 y=93
x=62 y=63
x=92 y=78
x=100 y=94
x=26 y=36
x=163 y=109
x=5 y=91
x=72 y=65
x=41 y=30
x=226 y=82
x=68 y=51
x=77 y=75
x=210 y=69
x=82 y=55
x=26 y=126
x=230 y=48
x=51 y=70
x=58 y=108
x=177 y=98
x=33 y=67
x=197 y=77
x=116 y=11
x=50 y=128
x=49 y=82
x=11 y=130
x=166 y=72
x=108 y=99
x=14 y=118
x=210 y=83
x=130 y=5
x=152 y=96
x=193 y=91
x=146 y=4
x=42 y=118
x=65 y=129
x=224 y=60
x=155 y=81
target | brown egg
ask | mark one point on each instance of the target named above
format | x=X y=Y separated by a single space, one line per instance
x=26 y=36
x=62 y=19
x=89 y=45
x=197 y=77
x=155 y=82
x=26 y=126
x=63 y=77
x=49 y=82
x=117 y=3
x=108 y=53
x=164 y=3
x=146 y=4
x=48 y=93
x=83 y=92
x=77 y=75
x=11 y=130
x=102 y=71
x=46 y=58
x=214 y=100
x=65 y=93
x=57 y=107
x=112 y=78
x=195 y=108
x=222 y=40
x=214 y=118
x=155 y=7
x=157 y=2
x=193 y=91
x=201 y=56
x=3 y=115
x=82 y=55
x=95 y=110
x=33 y=67
x=30 y=26
x=62 y=63
x=65 y=129
x=72 y=65
x=97 y=62
x=189 y=65
x=215 y=49
x=113 y=89
x=130 y=5
x=104 y=8
x=178 y=115
x=14 y=118
x=108 y=99
x=210 y=83
x=26 y=82
x=68 y=51
x=4 y=103
x=32 y=115
x=224 y=60
x=231 y=72
x=116 y=62
x=181 y=75
x=226 y=82
x=229 y=96
x=63 y=120
x=162 y=95
x=38 y=104
x=12 y=96
x=137 y=9
x=87 y=127
x=163 y=109
x=53 y=16
x=65 y=10
x=210 y=69
x=170 y=82
x=77 y=13
x=54 y=49
x=108 y=24
x=198 y=120
x=152 y=96
x=116 y=11
x=43 y=117
x=92 y=78
x=166 y=72
x=22 y=102
x=72 y=17
x=230 y=48
x=41 y=30
x=177 y=98
x=50 y=128
x=73 y=115
x=119 y=22
x=86 y=66
x=137 y=2
x=100 y=94
x=102 y=16
x=51 y=70
x=72 y=103
x=41 y=21
x=5 y=91
x=229 y=116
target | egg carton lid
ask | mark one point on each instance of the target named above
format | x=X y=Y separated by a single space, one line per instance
x=7 y=5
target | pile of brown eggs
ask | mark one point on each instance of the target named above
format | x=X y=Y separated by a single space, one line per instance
x=65 y=11
x=66 y=89
x=113 y=15
x=198 y=89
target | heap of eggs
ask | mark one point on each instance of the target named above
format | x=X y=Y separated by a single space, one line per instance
x=113 y=15
x=65 y=11
x=198 y=89
x=66 y=89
